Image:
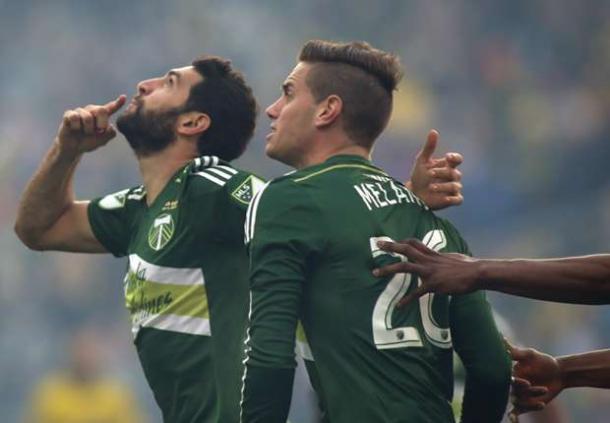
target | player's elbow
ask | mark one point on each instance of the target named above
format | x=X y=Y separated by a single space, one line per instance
x=28 y=237
x=493 y=376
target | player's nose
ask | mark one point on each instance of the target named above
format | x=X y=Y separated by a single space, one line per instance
x=145 y=87
x=273 y=110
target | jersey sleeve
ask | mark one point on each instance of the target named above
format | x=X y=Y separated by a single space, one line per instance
x=242 y=188
x=109 y=218
x=479 y=345
x=284 y=230
x=239 y=192
x=488 y=368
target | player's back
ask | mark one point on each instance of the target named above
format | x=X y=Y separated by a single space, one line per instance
x=312 y=240
x=374 y=360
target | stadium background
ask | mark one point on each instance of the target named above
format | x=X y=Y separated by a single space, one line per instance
x=521 y=88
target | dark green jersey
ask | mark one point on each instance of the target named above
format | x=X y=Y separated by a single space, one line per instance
x=312 y=239
x=186 y=284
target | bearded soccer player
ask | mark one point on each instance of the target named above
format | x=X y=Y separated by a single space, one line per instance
x=312 y=238
x=182 y=229
x=186 y=285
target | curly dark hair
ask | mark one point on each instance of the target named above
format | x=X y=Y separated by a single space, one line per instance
x=229 y=102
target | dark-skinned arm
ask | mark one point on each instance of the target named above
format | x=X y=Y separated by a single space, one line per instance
x=578 y=280
x=539 y=377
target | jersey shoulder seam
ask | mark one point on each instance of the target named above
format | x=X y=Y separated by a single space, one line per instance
x=298 y=179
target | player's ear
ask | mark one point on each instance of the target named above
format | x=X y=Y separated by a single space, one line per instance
x=328 y=111
x=192 y=123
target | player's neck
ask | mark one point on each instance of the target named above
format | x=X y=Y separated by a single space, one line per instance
x=324 y=150
x=157 y=169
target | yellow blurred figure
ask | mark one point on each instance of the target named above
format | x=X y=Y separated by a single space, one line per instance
x=80 y=394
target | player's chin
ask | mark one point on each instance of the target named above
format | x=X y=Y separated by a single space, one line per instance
x=271 y=149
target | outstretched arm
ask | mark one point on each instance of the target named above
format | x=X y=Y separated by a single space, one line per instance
x=48 y=215
x=539 y=377
x=436 y=181
x=579 y=280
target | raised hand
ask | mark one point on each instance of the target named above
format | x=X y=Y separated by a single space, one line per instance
x=445 y=273
x=87 y=128
x=436 y=181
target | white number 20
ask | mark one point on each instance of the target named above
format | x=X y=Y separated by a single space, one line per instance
x=387 y=337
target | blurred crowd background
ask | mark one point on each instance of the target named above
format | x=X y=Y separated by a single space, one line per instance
x=520 y=88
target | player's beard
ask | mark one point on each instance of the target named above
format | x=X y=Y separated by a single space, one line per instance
x=148 y=132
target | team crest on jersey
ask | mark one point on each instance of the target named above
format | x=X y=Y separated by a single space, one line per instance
x=246 y=191
x=161 y=231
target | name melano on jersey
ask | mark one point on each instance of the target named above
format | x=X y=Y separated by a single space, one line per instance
x=385 y=193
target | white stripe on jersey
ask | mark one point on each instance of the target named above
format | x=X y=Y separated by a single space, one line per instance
x=176 y=323
x=251 y=215
x=164 y=274
x=245 y=360
x=227 y=168
x=212 y=178
x=220 y=173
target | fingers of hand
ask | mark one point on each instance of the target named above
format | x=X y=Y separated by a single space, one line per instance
x=454 y=159
x=446 y=174
x=392 y=269
x=453 y=200
x=518 y=354
x=393 y=247
x=113 y=106
x=418 y=249
x=100 y=116
x=417 y=293
x=537 y=391
x=87 y=121
x=526 y=406
x=509 y=347
x=72 y=120
x=519 y=385
x=406 y=248
x=451 y=188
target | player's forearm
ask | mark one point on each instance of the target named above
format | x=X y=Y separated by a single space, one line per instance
x=572 y=280
x=48 y=194
x=266 y=394
x=591 y=369
x=488 y=367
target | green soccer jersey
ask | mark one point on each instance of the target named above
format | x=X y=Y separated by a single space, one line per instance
x=312 y=242
x=186 y=284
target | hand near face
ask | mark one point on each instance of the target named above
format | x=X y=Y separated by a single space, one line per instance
x=445 y=273
x=87 y=128
x=537 y=379
x=436 y=181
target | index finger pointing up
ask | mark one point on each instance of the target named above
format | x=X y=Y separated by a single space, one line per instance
x=114 y=105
